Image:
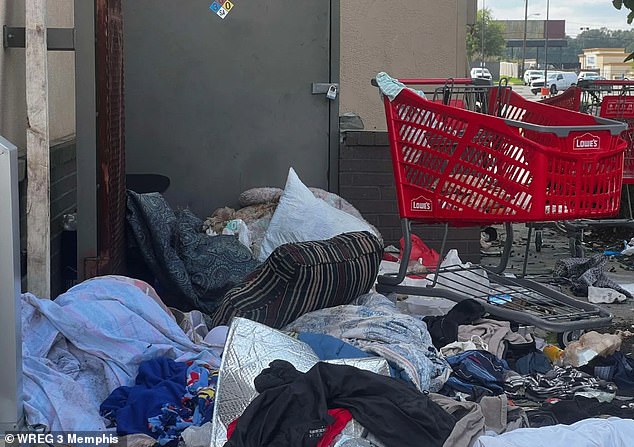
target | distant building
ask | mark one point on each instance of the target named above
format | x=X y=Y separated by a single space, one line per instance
x=608 y=62
x=533 y=35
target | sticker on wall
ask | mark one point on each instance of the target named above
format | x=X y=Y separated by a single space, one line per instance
x=221 y=7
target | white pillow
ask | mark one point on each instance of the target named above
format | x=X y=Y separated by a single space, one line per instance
x=300 y=217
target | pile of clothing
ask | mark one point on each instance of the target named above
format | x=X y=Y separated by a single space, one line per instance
x=488 y=383
x=110 y=356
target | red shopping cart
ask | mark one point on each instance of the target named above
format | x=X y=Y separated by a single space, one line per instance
x=613 y=99
x=479 y=155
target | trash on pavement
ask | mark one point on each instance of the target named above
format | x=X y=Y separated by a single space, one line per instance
x=591 y=345
x=603 y=295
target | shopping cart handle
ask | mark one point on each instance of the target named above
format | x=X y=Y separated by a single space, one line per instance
x=431 y=81
x=615 y=127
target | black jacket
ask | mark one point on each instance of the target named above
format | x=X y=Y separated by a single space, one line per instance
x=292 y=408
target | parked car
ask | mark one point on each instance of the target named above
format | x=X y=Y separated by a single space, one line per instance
x=557 y=81
x=531 y=75
x=588 y=76
x=483 y=73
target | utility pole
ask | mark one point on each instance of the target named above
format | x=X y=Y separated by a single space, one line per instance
x=482 y=38
x=546 y=44
x=38 y=199
x=524 y=42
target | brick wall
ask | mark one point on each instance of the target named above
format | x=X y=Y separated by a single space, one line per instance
x=366 y=180
x=63 y=201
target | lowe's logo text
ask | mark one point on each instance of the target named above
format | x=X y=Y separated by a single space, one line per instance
x=587 y=141
x=421 y=204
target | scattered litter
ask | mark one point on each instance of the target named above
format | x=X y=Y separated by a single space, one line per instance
x=428 y=305
x=629 y=248
x=624 y=334
x=487 y=236
x=466 y=277
x=235 y=227
x=602 y=295
x=500 y=299
x=415 y=275
x=601 y=396
x=194 y=436
x=585 y=272
x=421 y=252
x=554 y=354
x=591 y=345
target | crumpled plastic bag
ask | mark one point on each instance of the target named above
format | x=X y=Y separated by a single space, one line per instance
x=603 y=295
x=420 y=252
x=194 y=436
x=135 y=440
x=629 y=248
x=591 y=345
x=466 y=279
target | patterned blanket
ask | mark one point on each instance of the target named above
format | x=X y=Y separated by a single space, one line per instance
x=194 y=270
x=372 y=323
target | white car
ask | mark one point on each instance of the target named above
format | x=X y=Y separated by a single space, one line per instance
x=482 y=73
x=531 y=75
x=557 y=81
x=588 y=76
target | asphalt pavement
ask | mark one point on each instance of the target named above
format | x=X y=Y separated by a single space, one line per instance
x=525 y=91
x=555 y=245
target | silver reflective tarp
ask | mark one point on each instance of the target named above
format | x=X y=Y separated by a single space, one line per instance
x=249 y=349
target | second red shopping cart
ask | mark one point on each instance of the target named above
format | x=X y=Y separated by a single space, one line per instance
x=469 y=154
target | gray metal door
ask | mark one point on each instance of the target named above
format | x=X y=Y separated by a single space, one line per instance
x=220 y=105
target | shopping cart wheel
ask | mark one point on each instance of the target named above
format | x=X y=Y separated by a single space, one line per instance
x=565 y=338
x=538 y=241
x=576 y=248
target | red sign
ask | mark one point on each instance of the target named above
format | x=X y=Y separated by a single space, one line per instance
x=421 y=204
x=587 y=141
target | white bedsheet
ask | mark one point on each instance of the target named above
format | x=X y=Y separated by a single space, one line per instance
x=612 y=432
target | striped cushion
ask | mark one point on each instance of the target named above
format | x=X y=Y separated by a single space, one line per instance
x=302 y=277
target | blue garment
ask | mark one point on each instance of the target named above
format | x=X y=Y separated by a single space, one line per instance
x=391 y=87
x=168 y=397
x=623 y=372
x=535 y=362
x=477 y=373
x=160 y=381
x=328 y=347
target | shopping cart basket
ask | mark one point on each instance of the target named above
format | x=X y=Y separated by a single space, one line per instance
x=613 y=99
x=512 y=160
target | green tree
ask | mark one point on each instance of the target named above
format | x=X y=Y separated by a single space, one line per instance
x=494 y=43
x=628 y=4
x=594 y=38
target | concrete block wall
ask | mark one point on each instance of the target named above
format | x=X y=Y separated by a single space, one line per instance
x=366 y=180
x=63 y=201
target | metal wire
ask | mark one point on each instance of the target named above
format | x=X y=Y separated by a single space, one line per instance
x=475 y=98
x=512 y=296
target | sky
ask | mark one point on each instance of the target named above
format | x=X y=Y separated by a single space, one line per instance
x=577 y=13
